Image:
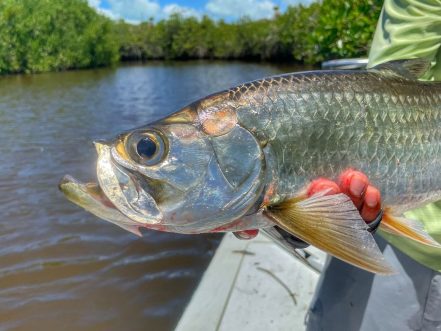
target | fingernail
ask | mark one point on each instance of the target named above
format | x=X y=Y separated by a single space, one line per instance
x=357 y=186
x=330 y=188
x=371 y=200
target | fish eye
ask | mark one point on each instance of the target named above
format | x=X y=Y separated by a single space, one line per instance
x=147 y=148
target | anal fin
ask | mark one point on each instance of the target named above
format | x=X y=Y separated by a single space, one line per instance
x=408 y=228
x=333 y=224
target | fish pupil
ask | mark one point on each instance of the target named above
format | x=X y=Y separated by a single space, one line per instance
x=146 y=147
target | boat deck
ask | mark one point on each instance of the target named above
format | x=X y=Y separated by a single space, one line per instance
x=253 y=285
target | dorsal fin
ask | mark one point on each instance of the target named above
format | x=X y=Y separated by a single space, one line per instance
x=410 y=69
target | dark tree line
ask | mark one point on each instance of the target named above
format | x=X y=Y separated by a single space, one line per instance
x=46 y=35
x=329 y=29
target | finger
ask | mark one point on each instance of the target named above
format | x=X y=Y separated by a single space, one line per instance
x=322 y=184
x=246 y=234
x=372 y=204
x=354 y=184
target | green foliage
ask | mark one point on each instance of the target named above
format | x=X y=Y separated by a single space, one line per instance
x=47 y=35
x=330 y=29
x=345 y=28
x=295 y=29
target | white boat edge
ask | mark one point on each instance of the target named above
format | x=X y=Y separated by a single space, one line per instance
x=346 y=64
x=253 y=285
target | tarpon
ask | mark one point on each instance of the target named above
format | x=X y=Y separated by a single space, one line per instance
x=241 y=159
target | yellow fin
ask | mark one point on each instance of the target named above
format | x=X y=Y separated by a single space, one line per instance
x=333 y=224
x=408 y=228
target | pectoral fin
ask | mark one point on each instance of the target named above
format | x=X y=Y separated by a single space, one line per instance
x=408 y=228
x=333 y=224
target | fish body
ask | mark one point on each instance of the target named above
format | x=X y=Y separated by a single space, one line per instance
x=319 y=123
x=241 y=159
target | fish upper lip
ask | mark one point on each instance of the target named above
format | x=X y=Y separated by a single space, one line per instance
x=100 y=143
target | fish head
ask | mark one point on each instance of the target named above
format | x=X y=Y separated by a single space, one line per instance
x=192 y=172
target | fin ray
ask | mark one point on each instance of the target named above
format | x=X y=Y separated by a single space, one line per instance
x=408 y=68
x=333 y=224
x=408 y=228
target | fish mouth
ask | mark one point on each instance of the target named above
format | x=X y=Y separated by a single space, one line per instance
x=91 y=197
x=117 y=196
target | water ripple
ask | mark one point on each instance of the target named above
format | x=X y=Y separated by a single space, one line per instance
x=61 y=268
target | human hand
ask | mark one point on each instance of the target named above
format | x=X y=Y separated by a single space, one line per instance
x=355 y=185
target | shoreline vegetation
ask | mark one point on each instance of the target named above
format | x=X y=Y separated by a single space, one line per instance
x=55 y=35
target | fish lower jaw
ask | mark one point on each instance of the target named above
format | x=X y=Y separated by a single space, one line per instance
x=81 y=193
x=91 y=197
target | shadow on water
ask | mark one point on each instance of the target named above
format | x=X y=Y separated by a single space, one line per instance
x=60 y=267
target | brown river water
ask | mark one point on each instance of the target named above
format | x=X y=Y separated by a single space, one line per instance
x=60 y=267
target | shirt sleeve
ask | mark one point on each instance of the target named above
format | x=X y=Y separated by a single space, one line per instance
x=409 y=29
